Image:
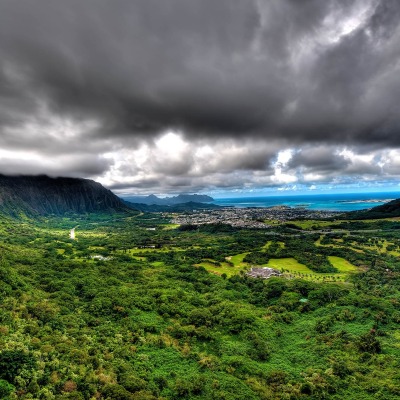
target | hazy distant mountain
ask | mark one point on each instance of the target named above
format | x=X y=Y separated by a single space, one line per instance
x=168 y=201
x=33 y=195
x=181 y=207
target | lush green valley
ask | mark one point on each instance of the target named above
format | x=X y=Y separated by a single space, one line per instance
x=137 y=308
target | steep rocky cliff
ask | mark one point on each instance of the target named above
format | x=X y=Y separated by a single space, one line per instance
x=33 y=195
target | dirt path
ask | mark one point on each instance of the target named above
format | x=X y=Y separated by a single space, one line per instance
x=72 y=233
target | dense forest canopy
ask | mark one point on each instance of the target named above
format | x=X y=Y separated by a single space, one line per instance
x=137 y=308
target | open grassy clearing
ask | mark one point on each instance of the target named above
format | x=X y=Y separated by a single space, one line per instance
x=96 y=248
x=157 y=264
x=381 y=219
x=139 y=258
x=237 y=259
x=87 y=235
x=338 y=246
x=341 y=264
x=224 y=268
x=338 y=240
x=316 y=224
x=291 y=266
x=169 y=227
x=381 y=247
x=266 y=245
x=319 y=244
x=154 y=250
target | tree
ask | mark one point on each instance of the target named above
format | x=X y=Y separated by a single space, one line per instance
x=368 y=343
x=5 y=389
x=12 y=362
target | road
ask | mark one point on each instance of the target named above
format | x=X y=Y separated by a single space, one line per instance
x=72 y=233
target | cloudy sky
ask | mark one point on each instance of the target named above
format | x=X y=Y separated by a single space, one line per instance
x=168 y=96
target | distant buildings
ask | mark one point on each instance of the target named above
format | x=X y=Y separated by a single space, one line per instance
x=263 y=272
x=260 y=218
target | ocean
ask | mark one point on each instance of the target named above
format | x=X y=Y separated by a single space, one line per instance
x=332 y=202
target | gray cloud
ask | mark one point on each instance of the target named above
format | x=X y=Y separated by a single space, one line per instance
x=76 y=165
x=101 y=77
x=319 y=159
x=205 y=67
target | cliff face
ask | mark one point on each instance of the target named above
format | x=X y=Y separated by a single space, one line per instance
x=43 y=195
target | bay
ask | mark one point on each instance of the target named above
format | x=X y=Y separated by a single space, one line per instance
x=332 y=202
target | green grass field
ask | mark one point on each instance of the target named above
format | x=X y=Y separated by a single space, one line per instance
x=319 y=244
x=168 y=227
x=340 y=244
x=153 y=250
x=292 y=267
x=237 y=259
x=381 y=249
x=341 y=264
x=266 y=245
x=96 y=248
x=309 y=224
x=225 y=268
x=139 y=258
x=290 y=264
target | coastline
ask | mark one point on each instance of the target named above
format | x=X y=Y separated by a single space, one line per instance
x=334 y=202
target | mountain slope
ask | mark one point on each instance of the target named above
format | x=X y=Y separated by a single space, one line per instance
x=42 y=195
x=387 y=210
x=392 y=207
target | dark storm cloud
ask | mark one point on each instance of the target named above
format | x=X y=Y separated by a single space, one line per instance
x=77 y=165
x=232 y=156
x=325 y=163
x=91 y=88
x=137 y=66
x=319 y=159
x=254 y=68
x=145 y=183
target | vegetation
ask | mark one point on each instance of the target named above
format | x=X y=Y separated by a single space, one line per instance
x=130 y=310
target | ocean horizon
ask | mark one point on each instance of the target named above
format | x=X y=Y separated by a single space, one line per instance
x=332 y=202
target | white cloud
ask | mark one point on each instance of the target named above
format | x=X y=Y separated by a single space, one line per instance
x=172 y=164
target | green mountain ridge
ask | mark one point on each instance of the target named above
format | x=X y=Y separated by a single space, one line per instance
x=43 y=195
x=387 y=210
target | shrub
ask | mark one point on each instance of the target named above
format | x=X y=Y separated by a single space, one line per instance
x=113 y=391
x=5 y=389
x=368 y=343
x=12 y=362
